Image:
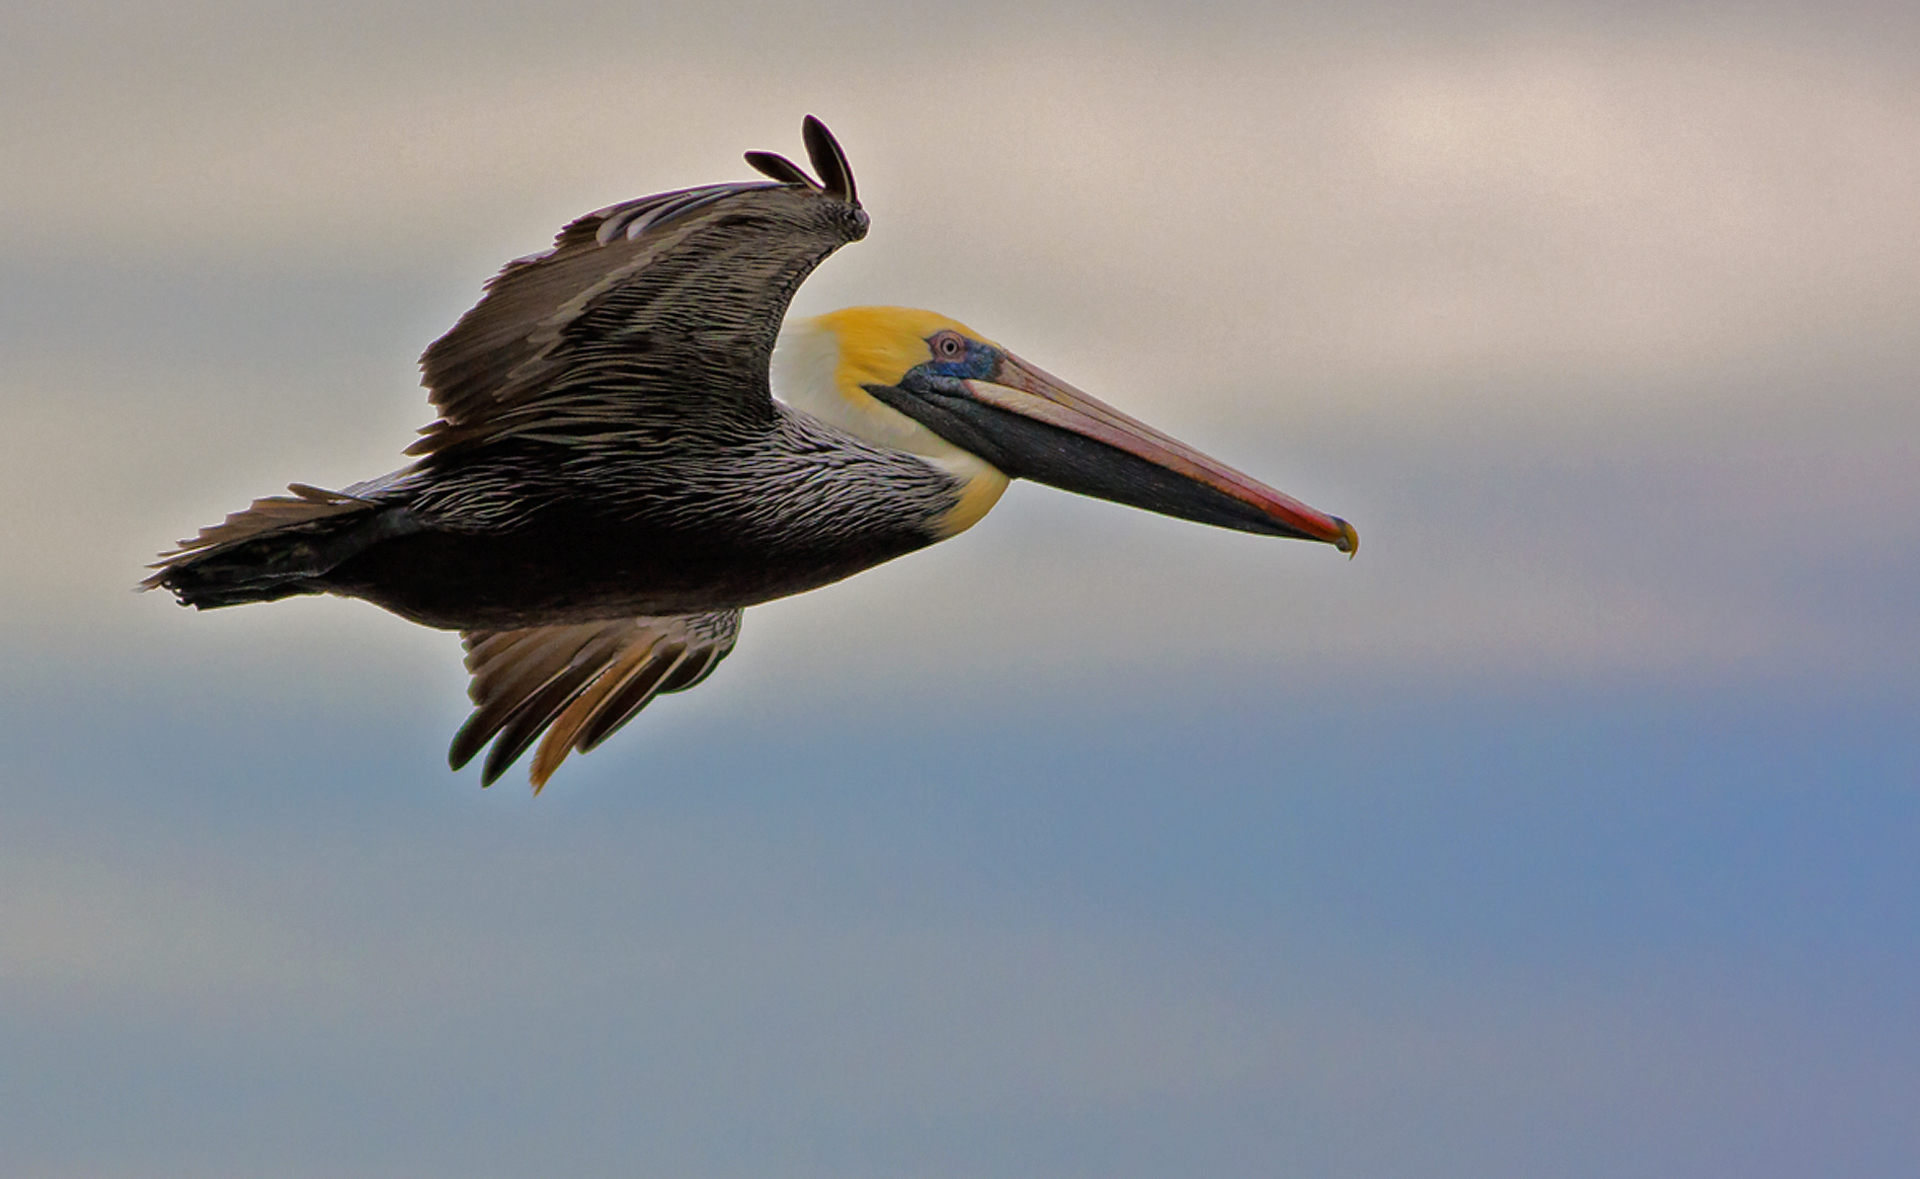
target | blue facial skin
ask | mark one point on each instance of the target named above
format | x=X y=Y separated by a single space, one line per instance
x=955 y=358
x=934 y=393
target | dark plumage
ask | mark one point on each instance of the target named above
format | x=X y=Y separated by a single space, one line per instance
x=610 y=481
x=605 y=416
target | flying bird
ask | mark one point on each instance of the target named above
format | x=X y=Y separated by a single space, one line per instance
x=611 y=481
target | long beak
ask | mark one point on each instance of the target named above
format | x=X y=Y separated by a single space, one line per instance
x=1034 y=426
x=1166 y=475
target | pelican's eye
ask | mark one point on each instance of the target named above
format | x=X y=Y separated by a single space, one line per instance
x=948 y=346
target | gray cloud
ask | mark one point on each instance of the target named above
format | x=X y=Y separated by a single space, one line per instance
x=1531 y=307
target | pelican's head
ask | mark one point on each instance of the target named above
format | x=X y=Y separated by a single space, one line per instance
x=920 y=382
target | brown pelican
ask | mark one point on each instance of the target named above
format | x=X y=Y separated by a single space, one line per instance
x=610 y=480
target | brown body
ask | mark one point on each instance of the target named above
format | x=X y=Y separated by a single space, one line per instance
x=610 y=481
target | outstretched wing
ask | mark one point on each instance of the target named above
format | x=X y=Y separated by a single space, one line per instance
x=578 y=683
x=671 y=300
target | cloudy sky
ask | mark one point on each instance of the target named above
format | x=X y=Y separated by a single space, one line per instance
x=1568 y=830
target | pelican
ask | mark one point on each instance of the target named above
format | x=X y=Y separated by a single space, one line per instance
x=610 y=480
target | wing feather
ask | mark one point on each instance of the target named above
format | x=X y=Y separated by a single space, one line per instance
x=836 y=175
x=578 y=683
x=779 y=168
x=681 y=293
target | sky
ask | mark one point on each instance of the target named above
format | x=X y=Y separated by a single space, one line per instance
x=1566 y=830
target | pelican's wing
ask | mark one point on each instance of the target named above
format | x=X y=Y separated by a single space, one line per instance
x=671 y=300
x=578 y=683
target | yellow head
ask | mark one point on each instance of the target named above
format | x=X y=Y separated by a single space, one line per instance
x=822 y=365
x=1017 y=420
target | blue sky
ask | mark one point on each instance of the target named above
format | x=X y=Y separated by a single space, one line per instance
x=1567 y=830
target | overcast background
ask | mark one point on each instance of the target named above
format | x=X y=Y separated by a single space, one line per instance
x=1570 y=830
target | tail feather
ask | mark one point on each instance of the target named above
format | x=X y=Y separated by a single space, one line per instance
x=273 y=549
